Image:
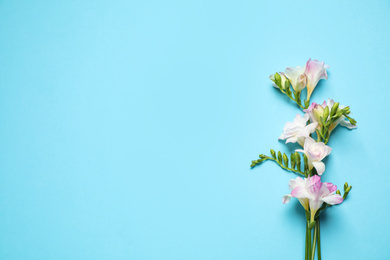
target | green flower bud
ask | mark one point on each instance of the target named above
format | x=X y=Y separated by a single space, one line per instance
x=278 y=79
x=285 y=160
x=279 y=157
x=292 y=156
x=306 y=162
x=334 y=108
x=326 y=114
x=273 y=153
x=298 y=160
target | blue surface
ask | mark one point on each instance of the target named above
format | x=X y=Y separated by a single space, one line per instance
x=127 y=128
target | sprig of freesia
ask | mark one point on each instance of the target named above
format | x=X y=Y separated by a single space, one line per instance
x=283 y=161
x=312 y=132
x=328 y=116
x=295 y=79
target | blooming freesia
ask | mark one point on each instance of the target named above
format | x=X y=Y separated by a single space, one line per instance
x=312 y=193
x=298 y=131
x=315 y=152
x=315 y=71
x=297 y=77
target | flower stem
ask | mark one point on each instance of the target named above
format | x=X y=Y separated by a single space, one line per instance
x=306 y=243
x=264 y=158
x=318 y=239
x=313 y=249
x=308 y=236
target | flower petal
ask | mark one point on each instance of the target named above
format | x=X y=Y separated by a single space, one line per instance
x=347 y=124
x=300 y=192
x=333 y=199
x=286 y=198
x=320 y=167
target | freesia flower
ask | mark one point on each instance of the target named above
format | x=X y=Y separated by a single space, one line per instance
x=316 y=111
x=315 y=152
x=297 y=130
x=312 y=193
x=315 y=71
x=297 y=77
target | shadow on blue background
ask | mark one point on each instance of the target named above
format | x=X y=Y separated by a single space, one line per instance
x=128 y=128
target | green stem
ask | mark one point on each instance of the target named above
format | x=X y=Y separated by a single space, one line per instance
x=308 y=235
x=293 y=99
x=313 y=249
x=318 y=239
x=308 y=240
x=318 y=136
x=306 y=243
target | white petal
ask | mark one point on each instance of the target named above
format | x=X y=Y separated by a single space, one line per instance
x=320 y=167
x=333 y=199
x=292 y=140
x=347 y=124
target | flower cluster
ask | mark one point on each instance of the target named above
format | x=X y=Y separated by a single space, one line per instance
x=311 y=131
x=300 y=78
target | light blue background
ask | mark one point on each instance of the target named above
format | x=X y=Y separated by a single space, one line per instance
x=128 y=127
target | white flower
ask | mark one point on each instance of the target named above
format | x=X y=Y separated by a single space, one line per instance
x=315 y=152
x=297 y=130
x=297 y=77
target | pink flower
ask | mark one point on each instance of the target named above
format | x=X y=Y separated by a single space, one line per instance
x=315 y=71
x=312 y=193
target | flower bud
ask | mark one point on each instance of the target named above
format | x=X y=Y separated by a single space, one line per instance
x=285 y=160
x=273 y=153
x=279 y=157
x=318 y=112
x=335 y=107
x=326 y=114
x=301 y=83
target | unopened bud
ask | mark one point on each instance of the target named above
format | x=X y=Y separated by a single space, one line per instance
x=301 y=83
x=273 y=153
